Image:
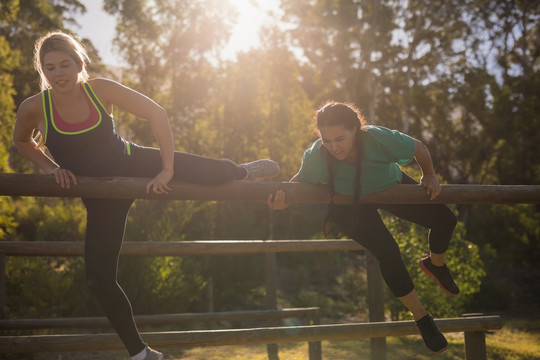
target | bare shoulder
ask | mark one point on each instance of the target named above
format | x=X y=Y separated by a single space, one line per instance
x=31 y=110
x=105 y=84
x=101 y=81
x=107 y=90
x=32 y=103
x=113 y=93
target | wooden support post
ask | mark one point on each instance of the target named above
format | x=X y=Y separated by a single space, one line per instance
x=376 y=305
x=2 y=285
x=475 y=342
x=271 y=286
x=210 y=299
x=210 y=293
x=475 y=345
x=271 y=297
x=315 y=347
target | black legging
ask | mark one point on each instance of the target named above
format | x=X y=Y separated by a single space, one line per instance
x=106 y=221
x=368 y=229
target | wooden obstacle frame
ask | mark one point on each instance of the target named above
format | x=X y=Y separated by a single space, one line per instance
x=43 y=185
x=244 y=191
x=188 y=339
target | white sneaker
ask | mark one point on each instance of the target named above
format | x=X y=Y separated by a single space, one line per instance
x=152 y=354
x=263 y=168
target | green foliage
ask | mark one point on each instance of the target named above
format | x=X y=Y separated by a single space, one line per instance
x=163 y=284
x=341 y=275
x=9 y=60
x=8 y=224
x=174 y=278
x=161 y=220
x=44 y=287
x=351 y=287
x=237 y=281
x=50 y=219
x=506 y=234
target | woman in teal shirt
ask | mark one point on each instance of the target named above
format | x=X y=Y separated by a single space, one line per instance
x=354 y=159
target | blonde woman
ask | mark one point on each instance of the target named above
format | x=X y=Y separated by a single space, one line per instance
x=73 y=114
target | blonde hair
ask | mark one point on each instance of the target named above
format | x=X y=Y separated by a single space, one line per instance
x=60 y=41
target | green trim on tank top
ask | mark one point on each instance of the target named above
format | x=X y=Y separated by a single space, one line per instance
x=75 y=132
x=87 y=87
x=45 y=113
x=46 y=99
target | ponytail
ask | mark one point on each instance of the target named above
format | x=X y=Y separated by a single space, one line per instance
x=336 y=113
x=330 y=165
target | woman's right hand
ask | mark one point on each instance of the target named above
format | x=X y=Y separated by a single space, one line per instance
x=159 y=184
x=64 y=177
x=277 y=201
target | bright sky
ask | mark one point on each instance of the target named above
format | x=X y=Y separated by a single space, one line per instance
x=99 y=27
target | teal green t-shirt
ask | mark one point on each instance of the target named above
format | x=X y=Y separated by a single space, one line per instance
x=384 y=151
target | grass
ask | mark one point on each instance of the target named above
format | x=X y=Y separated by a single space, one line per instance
x=505 y=344
x=518 y=340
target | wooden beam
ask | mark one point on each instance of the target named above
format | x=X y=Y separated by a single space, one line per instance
x=179 y=248
x=162 y=319
x=185 y=339
x=256 y=191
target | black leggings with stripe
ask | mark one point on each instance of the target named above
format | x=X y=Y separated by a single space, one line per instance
x=368 y=229
x=106 y=221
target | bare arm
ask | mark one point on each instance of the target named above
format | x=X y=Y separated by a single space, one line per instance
x=113 y=93
x=29 y=116
x=429 y=177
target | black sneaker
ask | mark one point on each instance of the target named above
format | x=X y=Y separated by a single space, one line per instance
x=433 y=338
x=441 y=274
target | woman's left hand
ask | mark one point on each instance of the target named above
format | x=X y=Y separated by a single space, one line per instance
x=431 y=183
x=159 y=184
x=277 y=201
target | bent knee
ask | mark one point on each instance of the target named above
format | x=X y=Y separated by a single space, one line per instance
x=450 y=221
x=446 y=220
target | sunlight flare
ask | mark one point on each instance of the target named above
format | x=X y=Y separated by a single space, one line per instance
x=252 y=15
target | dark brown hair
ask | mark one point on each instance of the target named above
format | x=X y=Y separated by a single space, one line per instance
x=334 y=113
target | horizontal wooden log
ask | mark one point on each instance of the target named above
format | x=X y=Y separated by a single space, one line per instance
x=179 y=248
x=256 y=191
x=185 y=339
x=162 y=319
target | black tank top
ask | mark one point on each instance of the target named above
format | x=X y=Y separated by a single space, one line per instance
x=95 y=151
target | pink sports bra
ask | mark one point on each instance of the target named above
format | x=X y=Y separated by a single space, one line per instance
x=62 y=125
